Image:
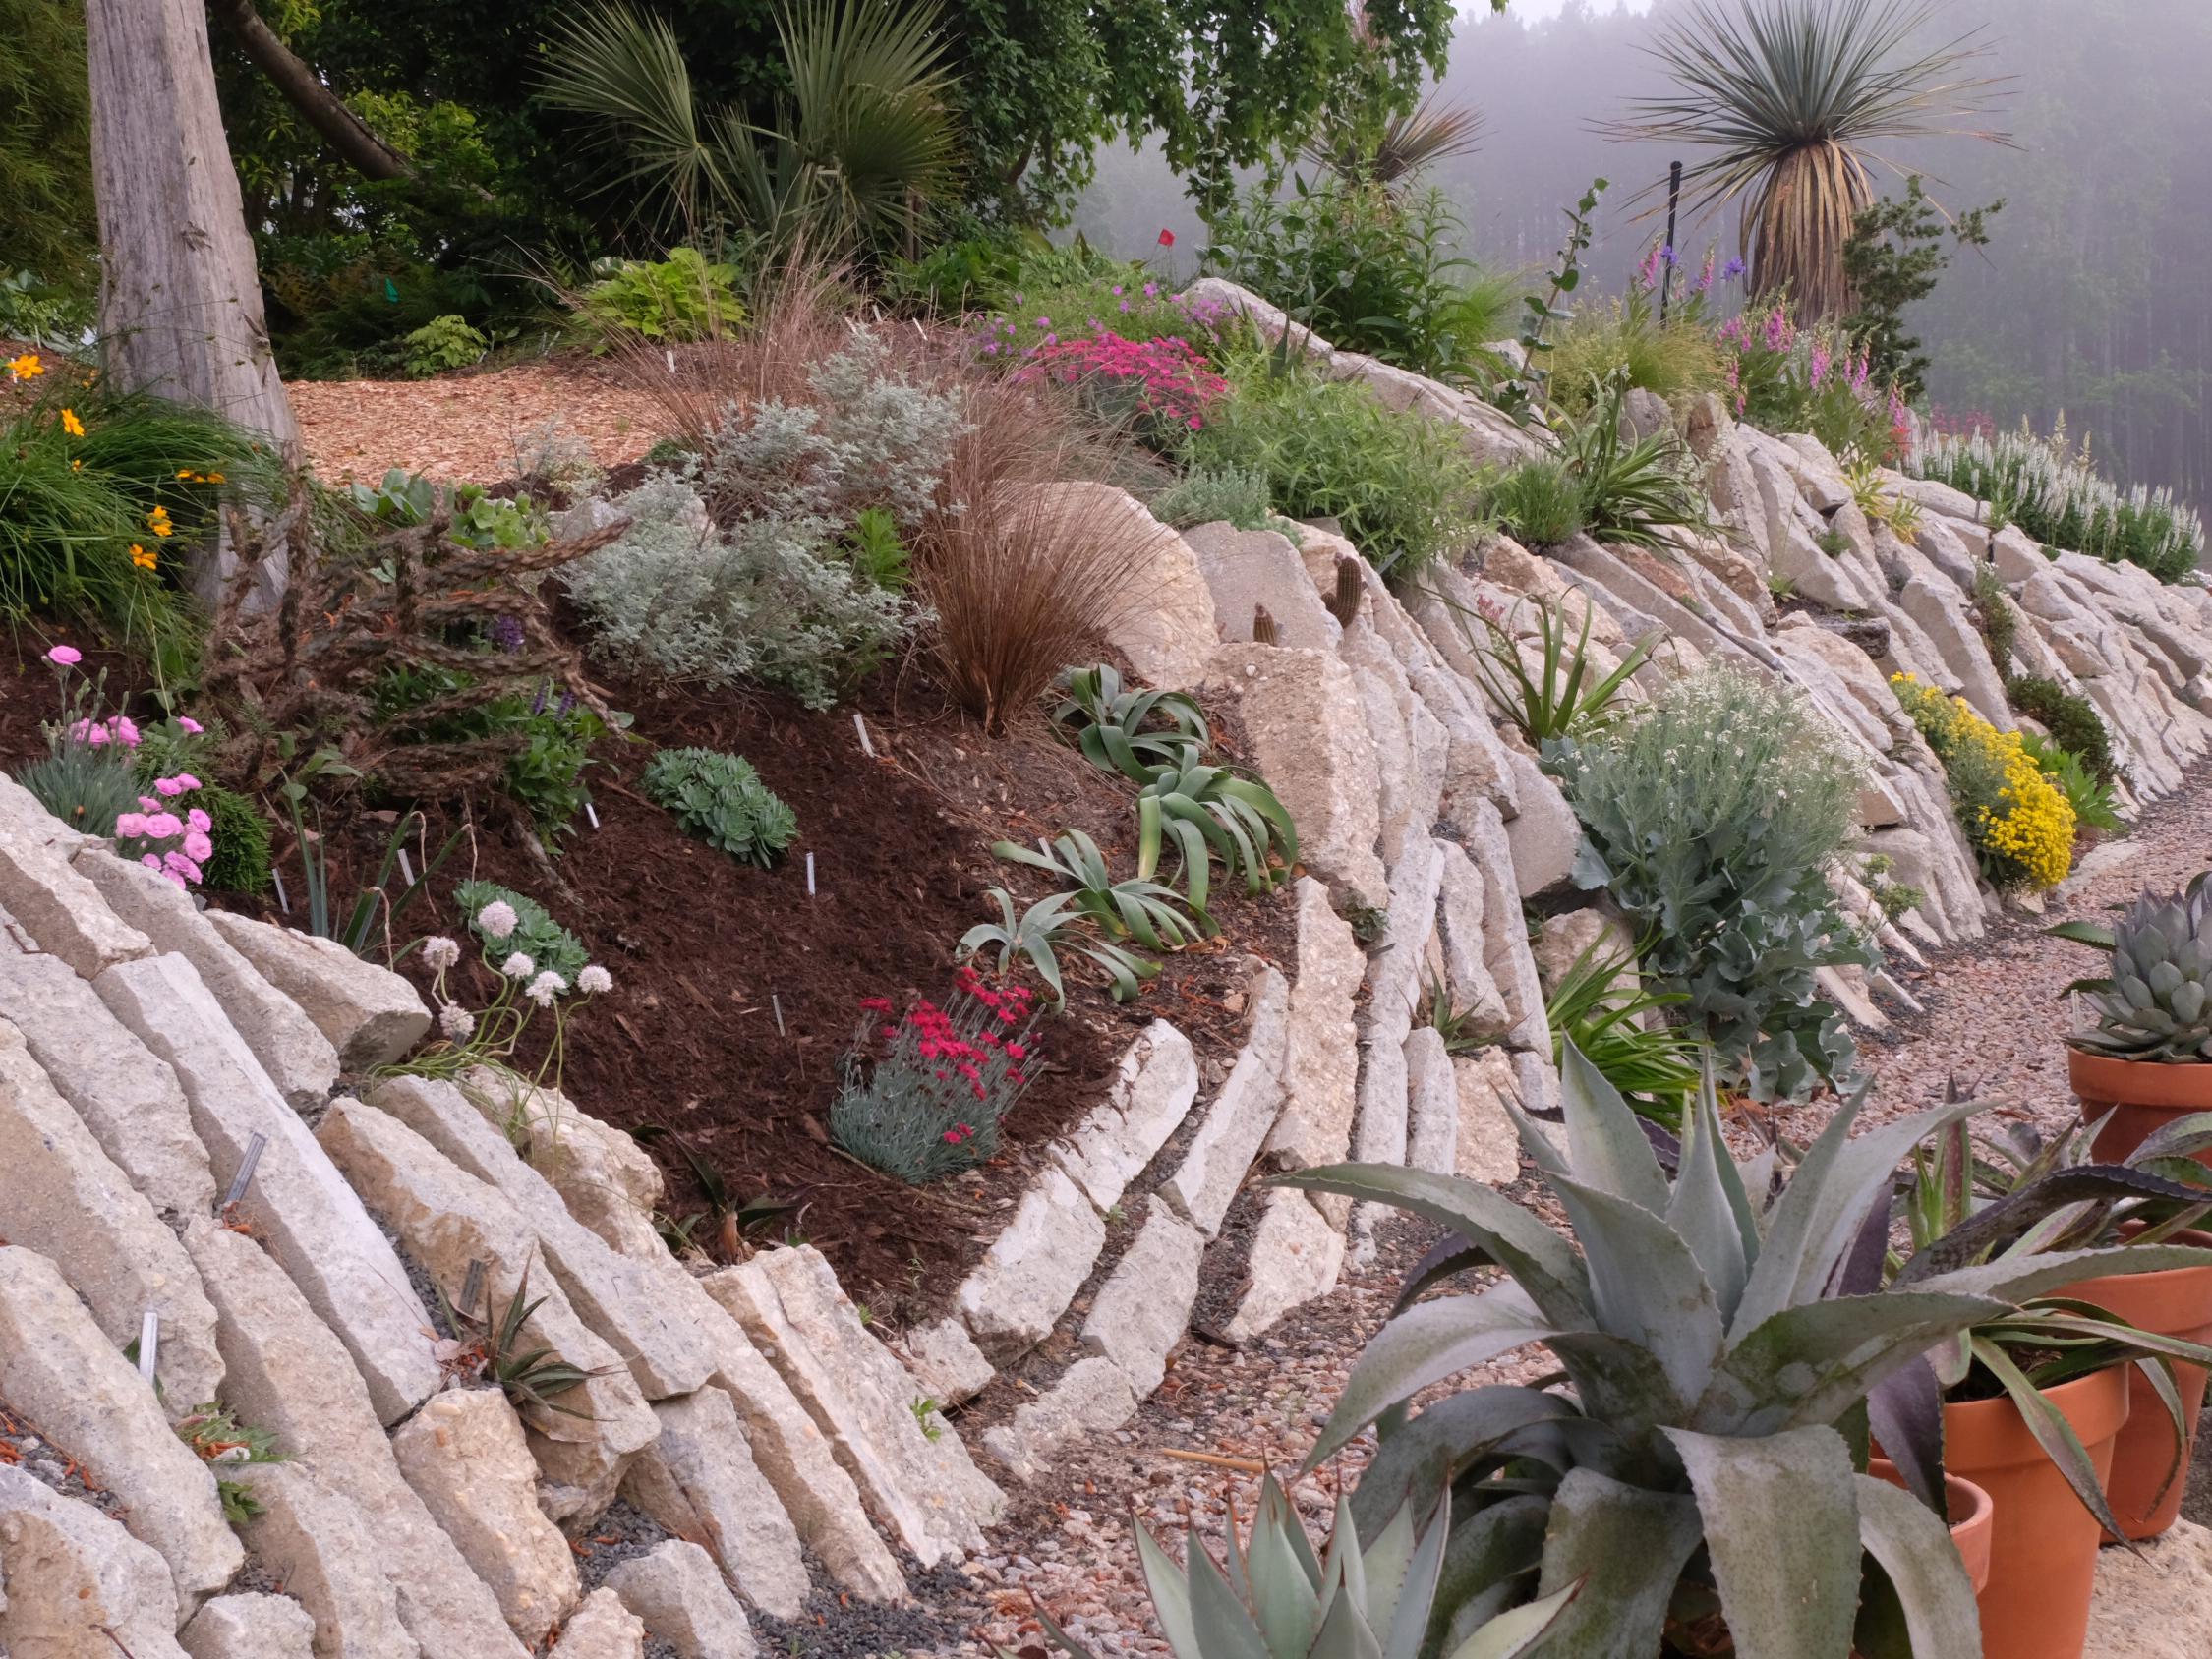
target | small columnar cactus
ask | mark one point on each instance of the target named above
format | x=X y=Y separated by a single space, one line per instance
x=2157 y=1002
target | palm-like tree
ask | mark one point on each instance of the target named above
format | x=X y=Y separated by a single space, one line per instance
x=864 y=144
x=1789 y=95
x=1407 y=143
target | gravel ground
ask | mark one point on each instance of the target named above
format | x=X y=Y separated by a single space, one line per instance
x=1992 y=1014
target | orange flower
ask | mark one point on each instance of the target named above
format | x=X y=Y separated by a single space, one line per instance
x=158 y=521
x=211 y=477
x=26 y=367
x=184 y=472
x=144 y=559
x=77 y=465
x=71 y=425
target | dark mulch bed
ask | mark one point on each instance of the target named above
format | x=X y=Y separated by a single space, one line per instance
x=706 y=952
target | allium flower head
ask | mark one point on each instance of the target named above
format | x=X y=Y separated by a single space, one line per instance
x=496 y=920
x=594 y=980
x=440 y=951
x=518 y=966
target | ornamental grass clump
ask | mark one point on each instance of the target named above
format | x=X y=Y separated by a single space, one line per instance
x=924 y=1096
x=720 y=799
x=1712 y=818
x=2019 y=824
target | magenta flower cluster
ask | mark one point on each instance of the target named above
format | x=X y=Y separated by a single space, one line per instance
x=1170 y=381
x=177 y=846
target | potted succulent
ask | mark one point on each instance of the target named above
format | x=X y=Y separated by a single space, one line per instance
x=2030 y=1403
x=1700 y=1479
x=2149 y=1058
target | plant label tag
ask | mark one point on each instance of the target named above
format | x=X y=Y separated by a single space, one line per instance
x=244 y=1178
x=591 y=812
x=283 y=903
x=406 y=869
x=149 y=1342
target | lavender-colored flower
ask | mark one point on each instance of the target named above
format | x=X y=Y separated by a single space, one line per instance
x=567 y=703
x=506 y=634
x=538 y=703
x=1733 y=269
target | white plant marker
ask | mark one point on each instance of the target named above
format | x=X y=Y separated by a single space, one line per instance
x=591 y=812
x=669 y=353
x=776 y=1007
x=861 y=726
x=809 y=874
x=240 y=1181
x=282 y=902
x=149 y=1342
x=406 y=869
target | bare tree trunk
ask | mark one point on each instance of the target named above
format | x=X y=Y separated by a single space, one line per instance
x=180 y=302
x=323 y=109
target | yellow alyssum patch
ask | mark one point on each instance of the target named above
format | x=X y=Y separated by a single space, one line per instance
x=2021 y=824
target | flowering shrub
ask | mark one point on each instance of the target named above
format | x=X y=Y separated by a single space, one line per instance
x=159 y=839
x=932 y=1102
x=2019 y=824
x=1787 y=378
x=1151 y=383
x=89 y=779
x=526 y=987
x=1134 y=310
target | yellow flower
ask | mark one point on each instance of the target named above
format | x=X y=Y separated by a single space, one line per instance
x=144 y=559
x=158 y=521
x=26 y=367
x=211 y=477
x=77 y=465
x=71 y=425
x=184 y=472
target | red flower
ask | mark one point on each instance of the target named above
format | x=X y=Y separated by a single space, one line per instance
x=1015 y=1050
x=876 y=1005
x=1166 y=238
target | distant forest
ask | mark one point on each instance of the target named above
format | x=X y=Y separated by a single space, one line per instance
x=2094 y=297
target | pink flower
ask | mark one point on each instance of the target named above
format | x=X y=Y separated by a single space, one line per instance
x=175 y=864
x=65 y=657
x=187 y=723
x=88 y=731
x=168 y=786
x=198 y=847
x=200 y=821
x=126 y=732
x=152 y=860
x=163 y=826
x=185 y=781
x=147 y=803
x=131 y=825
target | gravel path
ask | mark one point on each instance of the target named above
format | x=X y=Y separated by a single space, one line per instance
x=1992 y=1014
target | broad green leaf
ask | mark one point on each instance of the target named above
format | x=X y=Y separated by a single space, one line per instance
x=1489 y=1554
x=1782 y=1532
x=1606 y=1145
x=1913 y=1547
x=1647 y=1287
x=1541 y=1262
x=1521 y=1632
x=2017 y=1280
x=2052 y=1432
x=1625 y=1547
x=1426 y=1344
x=1811 y=1363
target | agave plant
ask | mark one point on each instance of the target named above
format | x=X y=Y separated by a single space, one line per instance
x=1791 y=95
x=1209 y=809
x=2034 y=1203
x=866 y=138
x=1113 y=725
x=1151 y=912
x=1696 y=1476
x=1274 y=1598
x=2156 y=1003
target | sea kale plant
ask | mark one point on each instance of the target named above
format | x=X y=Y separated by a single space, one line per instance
x=720 y=799
x=1700 y=1479
x=924 y=1095
x=1712 y=818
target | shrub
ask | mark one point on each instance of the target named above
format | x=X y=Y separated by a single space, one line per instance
x=1156 y=388
x=931 y=1103
x=1713 y=818
x=2018 y=824
x=1787 y=378
x=444 y=343
x=240 y=862
x=1213 y=494
x=2070 y=719
x=672 y=302
x=1368 y=267
x=1539 y=503
x=720 y=799
x=769 y=600
x=1400 y=485
x=2050 y=489
x=549 y=945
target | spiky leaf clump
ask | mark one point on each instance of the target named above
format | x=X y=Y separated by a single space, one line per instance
x=2156 y=1004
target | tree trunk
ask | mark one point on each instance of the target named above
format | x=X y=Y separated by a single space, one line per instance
x=180 y=301
x=323 y=109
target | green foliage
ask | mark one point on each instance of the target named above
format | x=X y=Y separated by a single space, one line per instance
x=1208 y=812
x=547 y=738
x=241 y=860
x=1212 y=494
x=45 y=314
x=1712 y=819
x=2154 y=1001
x=2090 y=795
x=2070 y=719
x=212 y=1430
x=1701 y=1461
x=358 y=930
x=1892 y=261
x=1601 y=1010
x=536 y=934
x=1149 y=912
x=1539 y=503
x=720 y=799
x=1368 y=267
x=1630 y=491
x=1627 y=341
x=878 y=551
x=442 y=344
x=683 y=298
x=87 y=788
x=1558 y=697
x=1041 y=932
x=1529 y=393
x=498 y=1350
x=1995 y=620
x=997 y=266
x=1114 y=725
x=1463 y=1030
x=1401 y=485
x=2051 y=489
x=1901 y=513
x=47 y=221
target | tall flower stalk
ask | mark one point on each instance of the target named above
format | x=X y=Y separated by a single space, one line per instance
x=493 y=1034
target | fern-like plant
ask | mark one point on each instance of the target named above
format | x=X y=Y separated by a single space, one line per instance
x=720 y=799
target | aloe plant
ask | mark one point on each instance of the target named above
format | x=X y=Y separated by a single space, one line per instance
x=1113 y=725
x=1209 y=809
x=1041 y=932
x=1151 y=912
x=1703 y=1466
x=1564 y=696
x=1273 y=1597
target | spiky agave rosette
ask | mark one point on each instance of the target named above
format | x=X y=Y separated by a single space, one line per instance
x=2156 y=1003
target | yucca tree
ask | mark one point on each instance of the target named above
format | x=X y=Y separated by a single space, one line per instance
x=863 y=144
x=1407 y=142
x=1789 y=97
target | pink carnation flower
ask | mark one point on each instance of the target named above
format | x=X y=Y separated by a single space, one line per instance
x=126 y=732
x=65 y=657
x=198 y=847
x=200 y=821
x=168 y=786
x=131 y=825
x=163 y=826
x=188 y=724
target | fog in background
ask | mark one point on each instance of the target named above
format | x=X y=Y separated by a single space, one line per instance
x=2095 y=297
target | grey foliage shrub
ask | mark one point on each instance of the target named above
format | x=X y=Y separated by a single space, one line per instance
x=1713 y=820
x=720 y=799
x=1211 y=494
x=769 y=599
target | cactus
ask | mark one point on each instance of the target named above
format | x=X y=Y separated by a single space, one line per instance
x=2156 y=1003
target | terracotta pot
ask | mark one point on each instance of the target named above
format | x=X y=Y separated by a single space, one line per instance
x=2043 y=1547
x=2173 y=1304
x=1974 y=1517
x=2142 y=1096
